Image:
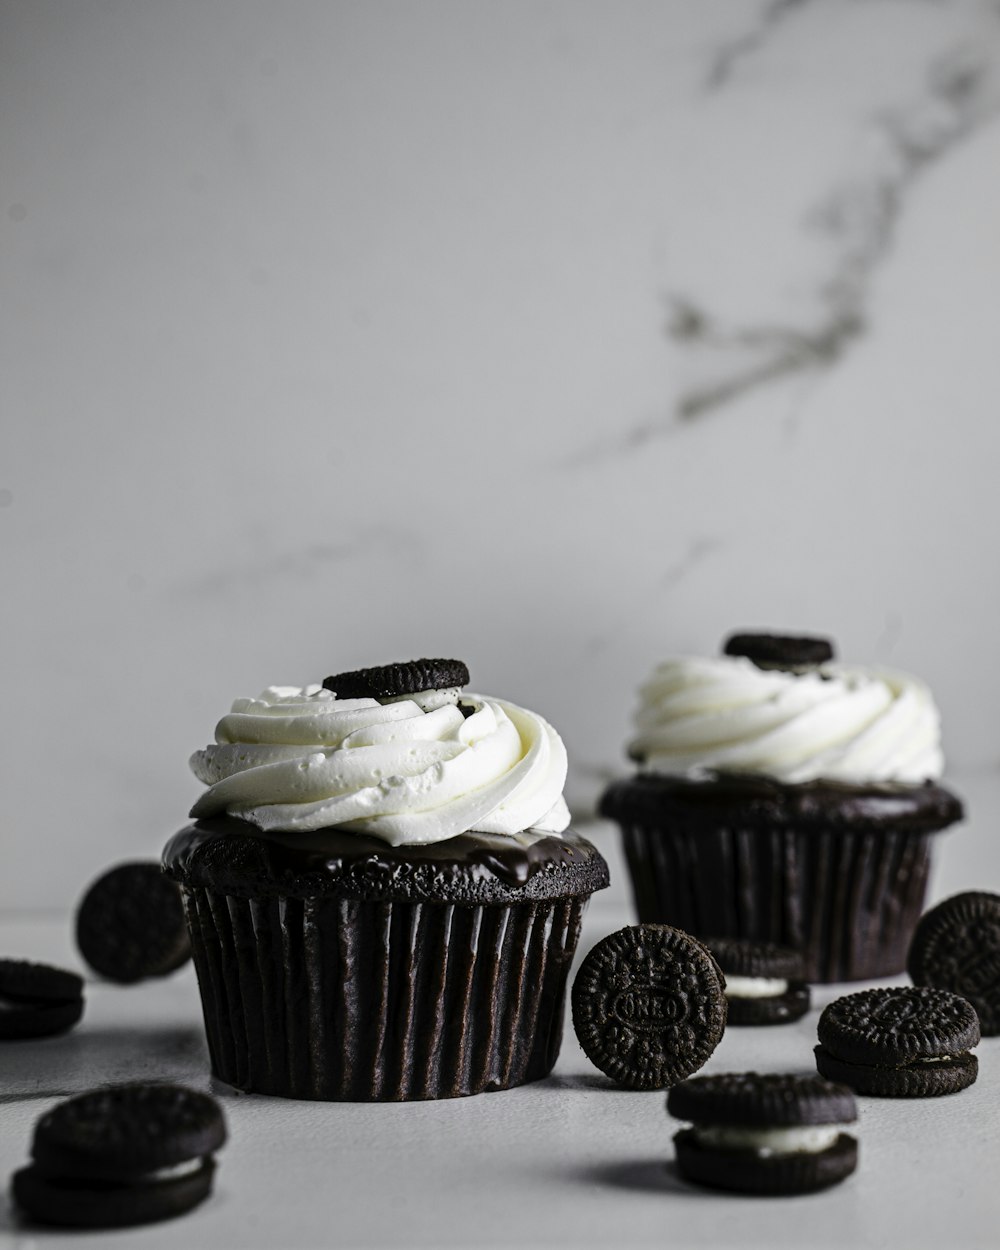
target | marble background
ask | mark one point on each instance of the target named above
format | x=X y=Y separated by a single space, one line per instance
x=558 y=335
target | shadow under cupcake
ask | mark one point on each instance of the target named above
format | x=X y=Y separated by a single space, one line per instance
x=784 y=798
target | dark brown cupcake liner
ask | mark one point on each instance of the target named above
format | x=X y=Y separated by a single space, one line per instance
x=848 y=899
x=348 y=1000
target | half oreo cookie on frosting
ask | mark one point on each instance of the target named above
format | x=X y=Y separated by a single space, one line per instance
x=764 y=981
x=899 y=1042
x=396 y=681
x=956 y=946
x=764 y=1134
x=782 y=651
x=649 y=1006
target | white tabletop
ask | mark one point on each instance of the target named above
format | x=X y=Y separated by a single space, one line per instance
x=569 y=1161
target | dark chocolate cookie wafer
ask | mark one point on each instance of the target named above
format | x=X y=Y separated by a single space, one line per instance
x=392 y=680
x=764 y=982
x=779 y=650
x=771 y=1134
x=956 y=946
x=37 y=1000
x=126 y=1154
x=903 y=1042
x=130 y=924
x=648 y=1006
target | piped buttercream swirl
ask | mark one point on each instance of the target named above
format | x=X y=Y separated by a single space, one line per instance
x=700 y=717
x=300 y=758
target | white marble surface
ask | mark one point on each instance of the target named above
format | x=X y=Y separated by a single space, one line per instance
x=559 y=336
x=567 y=1162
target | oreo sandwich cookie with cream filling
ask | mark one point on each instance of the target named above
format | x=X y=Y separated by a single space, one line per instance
x=899 y=1042
x=130 y=924
x=793 y=653
x=37 y=1000
x=956 y=946
x=764 y=982
x=764 y=1134
x=649 y=1006
x=121 y=1155
x=426 y=682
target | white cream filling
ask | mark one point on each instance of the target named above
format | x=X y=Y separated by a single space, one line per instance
x=755 y=987
x=801 y=1139
x=187 y=1168
x=426 y=700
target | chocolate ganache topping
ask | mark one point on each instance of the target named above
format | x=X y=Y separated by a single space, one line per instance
x=233 y=856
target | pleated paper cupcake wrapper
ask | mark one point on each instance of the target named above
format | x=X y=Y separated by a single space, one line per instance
x=344 y=1000
x=848 y=900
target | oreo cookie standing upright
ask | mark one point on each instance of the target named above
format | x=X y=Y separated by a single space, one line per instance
x=37 y=1000
x=956 y=946
x=130 y=924
x=899 y=1042
x=649 y=1006
x=764 y=982
x=764 y=1134
x=121 y=1155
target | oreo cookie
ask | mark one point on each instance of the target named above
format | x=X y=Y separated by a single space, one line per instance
x=956 y=946
x=127 y=1154
x=764 y=982
x=780 y=650
x=37 y=1000
x=649 y=1006
x=771 y=1134
x=130 y=924
x=393 y=681
x=901 y=1042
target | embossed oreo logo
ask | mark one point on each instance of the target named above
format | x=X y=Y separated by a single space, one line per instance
x=647 y=1008
x=982 y=975
x=895 y=1011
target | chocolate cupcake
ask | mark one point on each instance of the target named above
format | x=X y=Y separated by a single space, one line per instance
x=383 y=894
x=791 y=804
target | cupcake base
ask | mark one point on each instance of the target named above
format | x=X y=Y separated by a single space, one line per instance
x=340 y=999
x=334 y=967
x=839 y=873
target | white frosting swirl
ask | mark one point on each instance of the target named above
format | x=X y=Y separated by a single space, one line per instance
x=297 y=759
x=699 y=717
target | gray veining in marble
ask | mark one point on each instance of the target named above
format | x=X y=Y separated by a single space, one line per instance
x=302 y=561
x=558 y=336
x=661 y=585
x=725 y=60
x=899 y=138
